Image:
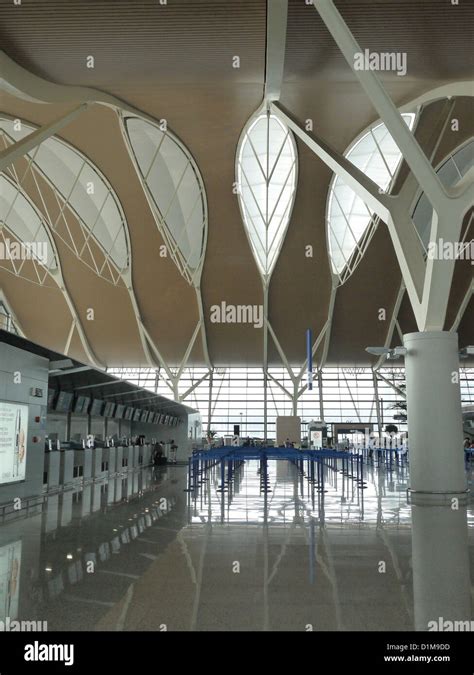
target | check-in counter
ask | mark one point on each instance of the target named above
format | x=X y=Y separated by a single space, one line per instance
x=111 y=491
x=113 y=469
x=98 y=467
x=146 y=455
x=87 y=465
x=66 y=508
x=147 y=476
x=127 y=459
x=119 y=459
x=118 y=488
x=96 y=497
x=135 y=455
x=51 y=512
x=86 y=497
x=82 y=466
x=127 y=486
x=135 y=482
x=66 y=467
x=106 y=461
x=51 y=469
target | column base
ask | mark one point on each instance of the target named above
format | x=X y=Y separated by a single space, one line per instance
x=421 y=498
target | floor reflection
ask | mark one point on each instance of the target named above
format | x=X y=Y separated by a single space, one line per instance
x=140 y=553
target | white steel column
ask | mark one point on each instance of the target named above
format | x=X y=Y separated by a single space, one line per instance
x=209 y=408
x=320 y=392
x=377 y=403
x=434 y=414
x=277 y=16
x=440 y=555
x=294 y=399
x=265 y=360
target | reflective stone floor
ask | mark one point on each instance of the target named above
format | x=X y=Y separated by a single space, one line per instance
x=140 y=553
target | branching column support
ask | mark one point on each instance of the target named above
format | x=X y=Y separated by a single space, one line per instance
x=428 y=289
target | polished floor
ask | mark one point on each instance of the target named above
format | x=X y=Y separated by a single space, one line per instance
x=141 y=553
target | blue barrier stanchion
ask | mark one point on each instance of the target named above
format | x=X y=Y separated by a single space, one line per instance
x=361 y=483
x=222 y=485
x=188 y=488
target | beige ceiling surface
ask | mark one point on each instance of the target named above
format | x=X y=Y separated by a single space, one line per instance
x=175 y=62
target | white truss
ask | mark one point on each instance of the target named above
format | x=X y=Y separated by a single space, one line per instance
x=22 y=223
x=23 y=84
x=32 y=215
x=8 y=319
x=174 y=189
x=83 y=195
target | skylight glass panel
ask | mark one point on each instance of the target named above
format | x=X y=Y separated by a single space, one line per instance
x=266 y=175
x=18 y=216
x=348 y=218
x=449 y=173
x=175 y=189
x=82 y=187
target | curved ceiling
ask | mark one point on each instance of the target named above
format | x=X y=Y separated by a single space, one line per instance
x=178 y=63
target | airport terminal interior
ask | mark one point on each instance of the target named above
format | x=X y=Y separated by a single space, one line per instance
x=236 y=315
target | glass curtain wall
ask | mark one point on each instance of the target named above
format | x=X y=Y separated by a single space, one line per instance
x=236 y=396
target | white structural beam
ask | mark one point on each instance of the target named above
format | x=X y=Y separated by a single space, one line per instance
x=463 y=307
x=196 y=385
x=446 y=226
x=265 y=357
x=20 y=83
x=399 y=391
x=406 y=242
x=57 y=275
x=314 y=349
x=128 y=280
x=383 y=104
x=277 y=15
x=327 y=336
x=188 y=350
x=202 y=321
x=428 y=286
x=357 y=180
x=377 y=403
x=69 y=337
x=450 y=90
x=279 y=384
x=22 y=147
x=410 y=255
x=157 y=352
x=280 y=350
x=392 y=324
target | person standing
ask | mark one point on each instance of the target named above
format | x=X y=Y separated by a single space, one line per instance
x=173 y=451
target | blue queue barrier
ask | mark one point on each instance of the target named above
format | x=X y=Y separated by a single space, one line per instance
x=311 y=464
x=388 y=457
